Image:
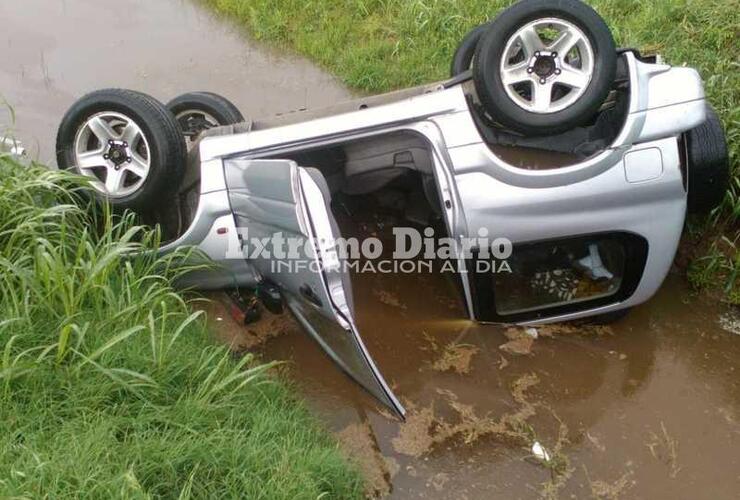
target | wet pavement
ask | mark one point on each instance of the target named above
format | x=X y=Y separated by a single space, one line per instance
x=646 y=408
x=55 y=51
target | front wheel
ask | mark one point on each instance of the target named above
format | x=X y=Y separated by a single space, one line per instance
x=126 y=143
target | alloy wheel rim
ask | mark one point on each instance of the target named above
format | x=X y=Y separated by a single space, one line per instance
x=547 y=65
x=111 y=149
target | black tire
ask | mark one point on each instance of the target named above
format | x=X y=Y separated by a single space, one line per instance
x=489 y=53
x=708 y=164
x=463 y=57
x=166 y=146
x=189 y=108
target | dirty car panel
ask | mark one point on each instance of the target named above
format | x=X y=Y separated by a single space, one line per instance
x=277 y=197
x=608 y=191
x=591 y=235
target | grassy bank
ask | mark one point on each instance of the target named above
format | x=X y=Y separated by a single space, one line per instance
x=109 y=386
x=379 y=45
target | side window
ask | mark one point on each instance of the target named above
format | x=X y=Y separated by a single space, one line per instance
x=561 y=276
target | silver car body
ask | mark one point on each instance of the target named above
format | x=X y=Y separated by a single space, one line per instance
x=634 y=187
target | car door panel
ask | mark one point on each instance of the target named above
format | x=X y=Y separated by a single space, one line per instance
x=271 y=197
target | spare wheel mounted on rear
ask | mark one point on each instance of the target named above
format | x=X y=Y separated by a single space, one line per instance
x=544 y=67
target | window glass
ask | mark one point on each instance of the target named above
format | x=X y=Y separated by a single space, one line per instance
x=560 y=273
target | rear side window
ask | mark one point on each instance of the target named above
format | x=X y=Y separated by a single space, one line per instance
x=556 y=277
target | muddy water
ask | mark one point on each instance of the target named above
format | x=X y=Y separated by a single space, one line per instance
x=648 y=408
x=54 y=51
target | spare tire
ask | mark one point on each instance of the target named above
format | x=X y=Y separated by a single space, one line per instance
x=127 y=143
x=463 y=57
x=708 y=164
x=545 y=66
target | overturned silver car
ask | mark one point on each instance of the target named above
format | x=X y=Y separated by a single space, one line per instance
x=577 y=159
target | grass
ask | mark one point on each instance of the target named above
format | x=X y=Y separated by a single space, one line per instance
x=109 y=385
x=380 y=45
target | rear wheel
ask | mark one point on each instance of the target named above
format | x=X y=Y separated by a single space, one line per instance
x=200 y=111
x=127 y=143
x=463 y=58
x=544 y=66
x=708 y=164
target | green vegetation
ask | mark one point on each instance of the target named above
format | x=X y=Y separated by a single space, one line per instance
x=379 y=45
x=109 y=386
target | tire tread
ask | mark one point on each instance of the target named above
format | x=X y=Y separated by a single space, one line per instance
x=167 y=146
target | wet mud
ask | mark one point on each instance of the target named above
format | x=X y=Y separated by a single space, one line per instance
x=358 y=443
x=730 y=322
x=230 y=329
x=645 y=408
x=614 y=490
x=456 y=358
x=424 y=428
x=389 y=299
x=520 y=342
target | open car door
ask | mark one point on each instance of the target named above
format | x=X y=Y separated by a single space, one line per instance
x=278 y=207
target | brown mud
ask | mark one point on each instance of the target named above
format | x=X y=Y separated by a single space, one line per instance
x=389 y=299
x=240 y=337
x=520 y=346
x=456 y=358
x=424 y=429
x=358 y=442
x=646 y=408
x=612 y=491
